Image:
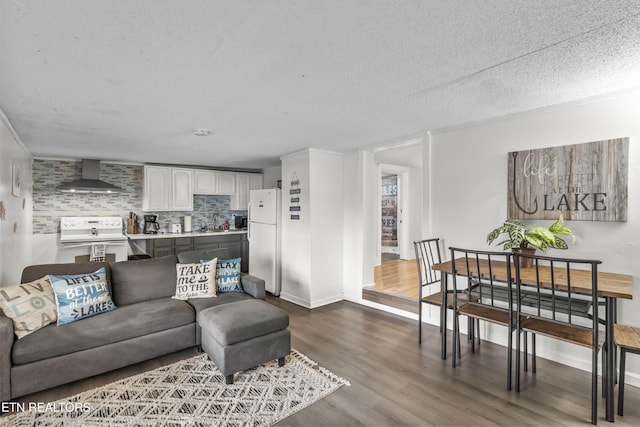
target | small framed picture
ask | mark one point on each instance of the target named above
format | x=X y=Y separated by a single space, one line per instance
x=15 y=180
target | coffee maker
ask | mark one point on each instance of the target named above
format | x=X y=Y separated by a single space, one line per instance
x=241 y=222
x=150 y=224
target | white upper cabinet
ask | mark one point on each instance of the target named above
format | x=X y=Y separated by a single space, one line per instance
x=225 y=183
x=215 y=182
x=157 y=188
x=205 y=182
x=241 y=199
x=245 y=183
x=167 y=189
x=171 y=189
x=182 y=189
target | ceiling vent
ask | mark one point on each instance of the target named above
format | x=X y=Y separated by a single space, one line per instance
x=90 y=182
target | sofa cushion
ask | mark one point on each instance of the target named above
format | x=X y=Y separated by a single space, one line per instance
x=33 y=272
x=31 y=306
x=239 y=321
x=126 y=322
x=79 y=296
x=220 y=299
x=196 y=280
x=196 y=256
x=228 y=275
x=143 y=280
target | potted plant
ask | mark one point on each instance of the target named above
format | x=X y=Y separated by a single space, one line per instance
x=520 y=238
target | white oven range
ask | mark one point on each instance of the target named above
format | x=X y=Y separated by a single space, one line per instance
x=97 y=237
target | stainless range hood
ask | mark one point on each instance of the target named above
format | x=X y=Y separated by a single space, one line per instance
x=90 y=182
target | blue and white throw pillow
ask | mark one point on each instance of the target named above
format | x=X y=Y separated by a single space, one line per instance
x=80 y=296
x=228 y=275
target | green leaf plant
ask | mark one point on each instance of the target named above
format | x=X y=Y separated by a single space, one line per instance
x=519 y=236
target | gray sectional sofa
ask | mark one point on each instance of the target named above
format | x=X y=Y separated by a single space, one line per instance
x=146 y=324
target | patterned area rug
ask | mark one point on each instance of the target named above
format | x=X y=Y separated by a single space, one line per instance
x=192 y=392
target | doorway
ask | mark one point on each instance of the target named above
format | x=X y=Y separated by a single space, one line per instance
x=394 y=280
x=389 y=249
x=394 y=284
x=392 y=225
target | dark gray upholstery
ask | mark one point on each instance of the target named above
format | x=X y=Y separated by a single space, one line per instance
x=253 y=285
x=243 y=334
x=197 y=256
x=36 y=376
x=200 y=304
x=123 y=323
x=147 y=323
x=34 y=272
x=248 y=354
x=6 y=337
x=242 y=320
x=143 y=280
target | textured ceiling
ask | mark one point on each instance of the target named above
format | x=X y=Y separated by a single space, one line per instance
x=131 y=80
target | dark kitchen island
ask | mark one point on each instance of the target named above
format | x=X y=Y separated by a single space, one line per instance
x=161 y=244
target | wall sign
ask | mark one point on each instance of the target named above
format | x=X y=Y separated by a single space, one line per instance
x=587 y=182
x=294 y=193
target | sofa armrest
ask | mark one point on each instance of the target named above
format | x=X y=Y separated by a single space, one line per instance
x=6 y=345
x=253 y=285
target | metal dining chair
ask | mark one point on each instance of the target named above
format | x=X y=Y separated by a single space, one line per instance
x=549 y=304
x=430 y=284
x=486 y=299
x=427 y=255
x=628 y=339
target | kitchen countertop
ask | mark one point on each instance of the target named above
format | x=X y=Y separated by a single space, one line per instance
x=141 y=236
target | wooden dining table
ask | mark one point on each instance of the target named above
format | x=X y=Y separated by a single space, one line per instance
x=611 y=286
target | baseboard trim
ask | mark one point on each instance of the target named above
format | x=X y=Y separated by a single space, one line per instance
x=294 y=299
x=327 y=301
x=382 y=307
x=311 y=304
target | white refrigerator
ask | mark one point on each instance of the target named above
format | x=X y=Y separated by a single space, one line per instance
x=264 y=237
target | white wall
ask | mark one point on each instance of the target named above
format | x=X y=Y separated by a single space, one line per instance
x=312 y=254
x=468 y=193
x=271 y=176
x=16 y=213
x=326 y=196
x=359 y=237
x=296 y=242
x=353 y=233
x=416 y=214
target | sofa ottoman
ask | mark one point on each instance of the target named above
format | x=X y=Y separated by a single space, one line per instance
x=244 y=334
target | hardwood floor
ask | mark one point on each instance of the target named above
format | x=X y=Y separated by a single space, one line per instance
x=395 y=285
x=395 y=382
x=398 y=277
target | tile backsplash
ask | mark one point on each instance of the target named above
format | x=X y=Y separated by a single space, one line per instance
x=204 y=209
x=49 y=205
